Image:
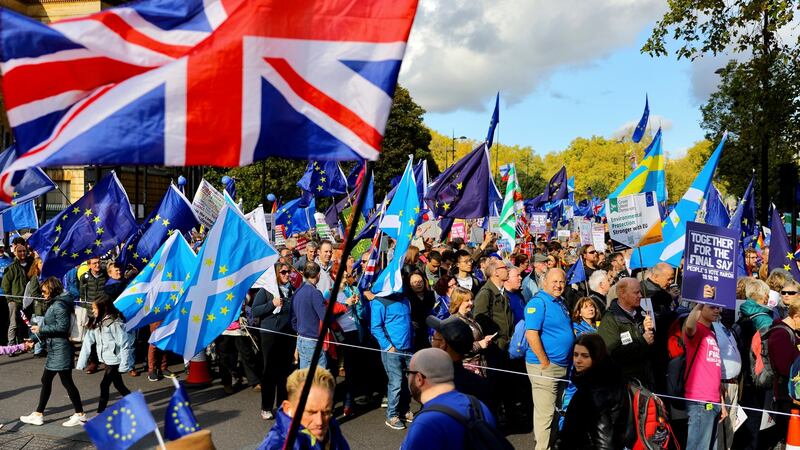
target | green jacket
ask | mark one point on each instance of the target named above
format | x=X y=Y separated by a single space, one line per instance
x=91 y=286
x=626 y=344
x=15 y=278
x=493 y=313
x=55 y=333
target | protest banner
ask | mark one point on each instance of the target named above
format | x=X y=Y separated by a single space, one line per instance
x=585 y=231
x=207 y=203
x=709 y=266
x=634 y=220
x=599 y=237
x=538 y=224
x=458 y=230
x=563 y=235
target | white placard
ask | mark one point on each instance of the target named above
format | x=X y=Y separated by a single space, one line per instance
x=207 y=203
x=634 y=220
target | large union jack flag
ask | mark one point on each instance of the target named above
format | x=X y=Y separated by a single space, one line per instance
x=203 y=82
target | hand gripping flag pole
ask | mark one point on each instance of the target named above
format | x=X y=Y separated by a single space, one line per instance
x=348 y=247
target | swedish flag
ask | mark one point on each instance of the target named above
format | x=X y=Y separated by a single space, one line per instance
x=648 y=176
x=122 y=425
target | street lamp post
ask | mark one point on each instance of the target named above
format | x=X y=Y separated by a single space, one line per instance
x=453 y=148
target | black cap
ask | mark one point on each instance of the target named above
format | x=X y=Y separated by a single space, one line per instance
x=455 y=332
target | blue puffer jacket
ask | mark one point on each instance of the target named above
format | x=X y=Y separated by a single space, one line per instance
x=391 y=322
x=54 y=331
x=277 y=436
x=114 y=345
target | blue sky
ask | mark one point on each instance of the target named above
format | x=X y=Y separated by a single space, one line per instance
x=567 y=84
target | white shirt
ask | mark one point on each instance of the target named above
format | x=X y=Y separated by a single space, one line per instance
x=731 y=359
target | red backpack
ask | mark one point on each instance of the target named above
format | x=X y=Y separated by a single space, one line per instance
x=648 y=420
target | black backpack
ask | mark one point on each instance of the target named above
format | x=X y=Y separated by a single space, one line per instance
x=478 y=433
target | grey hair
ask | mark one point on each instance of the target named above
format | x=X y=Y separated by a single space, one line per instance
x=596 y=278
x=756 y=289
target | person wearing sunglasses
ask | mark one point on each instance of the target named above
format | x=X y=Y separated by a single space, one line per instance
x=273 y=315
x=789 y=293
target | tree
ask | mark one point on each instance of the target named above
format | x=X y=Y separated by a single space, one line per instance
x=745 y=27
x=682 y=172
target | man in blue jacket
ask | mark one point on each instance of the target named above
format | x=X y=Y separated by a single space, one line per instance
x=391 y=327
x=308 y=311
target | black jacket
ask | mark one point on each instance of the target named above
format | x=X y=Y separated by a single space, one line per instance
x=626 y=344
x=597 y=416
x=264 y=311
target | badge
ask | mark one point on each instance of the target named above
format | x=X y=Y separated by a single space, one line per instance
x=626 y=338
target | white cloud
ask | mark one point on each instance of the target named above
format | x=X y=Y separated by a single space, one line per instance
x=461 y=52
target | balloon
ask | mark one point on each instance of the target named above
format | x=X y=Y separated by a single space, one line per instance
x=270 y=197
x=181 y=180
x=226 y=179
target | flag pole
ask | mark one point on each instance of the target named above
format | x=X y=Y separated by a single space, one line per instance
x=326 y=322
x=160 y=439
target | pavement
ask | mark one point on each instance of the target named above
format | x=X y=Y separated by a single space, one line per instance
x=234 y=420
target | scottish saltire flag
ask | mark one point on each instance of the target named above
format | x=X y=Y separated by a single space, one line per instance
x=323 y=179
x=173 y=214
x=88 y=228
x=121 y=425
x=19 y=217
x=462 y=190
x=295 y=218
x=155 y=291
x=673 y=228
x=232 y=259
x=716 y=212
x=511 y=204
x=493 y=122
x=28 y=184
x=638 y=132
x=295 y=79
x=399 y=222
x=781 y=253
x=571 y=191
x=576 y=273
x=556 y=188
x=179 y=419
x=649 y=176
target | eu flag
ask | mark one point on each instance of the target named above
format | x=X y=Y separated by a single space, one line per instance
x=122 y=425
x=576 y=273
x=744 y=220
x=28 y=184
x=493 y=123
x=295 y=218
x=173 y=214
x=638 y=133
x=232 y=259
x=154 y=292
x=19 y=217
x=370 y=227
x=781 y=253
x=462 y=191
x=323 y=179
x=556 y=189
x=88 y=228
x=179 y=419
x=716 y=212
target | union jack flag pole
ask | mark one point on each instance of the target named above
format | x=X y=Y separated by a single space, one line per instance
x=28 y=323
x=326 y=322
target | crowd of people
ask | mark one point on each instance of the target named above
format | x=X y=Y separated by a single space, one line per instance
x=475 y=336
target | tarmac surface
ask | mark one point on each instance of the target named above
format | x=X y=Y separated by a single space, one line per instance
x=234 y=420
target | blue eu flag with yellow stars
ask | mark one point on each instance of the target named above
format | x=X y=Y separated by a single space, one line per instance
x=179 y=419
x=462 y=191
x=296 y=218
x=88 y=228
x=322 y=179
x=121 y=425
x=638 y=132
x=173 y=214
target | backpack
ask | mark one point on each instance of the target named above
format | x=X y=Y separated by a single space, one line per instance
x=519 y=343
x=761 y=370
x=794 y=380
x=678 y=372
x=648 y=420
x=478 y=434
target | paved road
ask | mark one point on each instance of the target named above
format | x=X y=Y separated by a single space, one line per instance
x=233 y=419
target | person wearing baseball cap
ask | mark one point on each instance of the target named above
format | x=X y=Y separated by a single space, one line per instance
x=430 y=380
x=455 y=337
